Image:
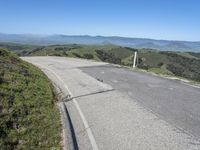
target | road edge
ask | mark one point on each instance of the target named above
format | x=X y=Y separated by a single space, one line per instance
x=68 y=136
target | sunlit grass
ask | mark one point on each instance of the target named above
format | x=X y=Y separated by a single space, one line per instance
x=29 y=118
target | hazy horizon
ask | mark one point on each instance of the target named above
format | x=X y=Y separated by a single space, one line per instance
x=162 y=20
x=58 y=34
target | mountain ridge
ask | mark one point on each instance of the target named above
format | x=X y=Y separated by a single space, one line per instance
x=162 y=45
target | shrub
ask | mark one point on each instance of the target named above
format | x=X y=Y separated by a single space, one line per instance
x=76 y=55
x=88 y=56
x=108 y=57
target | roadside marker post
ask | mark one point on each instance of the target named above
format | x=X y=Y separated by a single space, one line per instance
x=134 y=60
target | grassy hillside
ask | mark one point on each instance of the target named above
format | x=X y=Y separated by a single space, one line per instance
x=197 y=55
x=20 y=49
x=183 y=64
x=82 y=51
x=171 y=63
x=29 y=118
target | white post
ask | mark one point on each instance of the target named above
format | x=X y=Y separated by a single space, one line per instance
x=134 y=60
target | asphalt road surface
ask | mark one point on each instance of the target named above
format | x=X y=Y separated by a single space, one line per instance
x=113 y=108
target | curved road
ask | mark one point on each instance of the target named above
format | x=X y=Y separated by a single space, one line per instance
x=113 y=108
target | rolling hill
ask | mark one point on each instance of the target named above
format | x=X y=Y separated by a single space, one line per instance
x=164 y=45
x=182 y=64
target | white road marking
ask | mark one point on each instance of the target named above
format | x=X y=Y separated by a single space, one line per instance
x=195 y=86
x=87 y=128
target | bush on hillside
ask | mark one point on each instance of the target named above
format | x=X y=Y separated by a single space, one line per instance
x=88 y=56
x=108 y=57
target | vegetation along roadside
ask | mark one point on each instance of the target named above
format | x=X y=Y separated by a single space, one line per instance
x=29 y=117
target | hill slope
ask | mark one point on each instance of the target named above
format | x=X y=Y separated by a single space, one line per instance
x=183 y=64
x=29 y=119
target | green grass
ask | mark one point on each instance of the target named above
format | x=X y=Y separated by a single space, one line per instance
x=153 y=59
x=81 y=50
x=29 y=118
x=20 y=49
x=160 y=71
x=128 y=61
x=196 y=55
x=188 y=55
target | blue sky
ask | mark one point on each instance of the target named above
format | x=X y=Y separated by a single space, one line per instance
x=159 y=19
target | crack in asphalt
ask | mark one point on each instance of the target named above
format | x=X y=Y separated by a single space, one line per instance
x=69 y=98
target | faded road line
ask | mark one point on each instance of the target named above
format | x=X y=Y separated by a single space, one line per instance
x=89 y=132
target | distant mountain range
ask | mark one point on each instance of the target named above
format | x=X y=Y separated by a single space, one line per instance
x=163 y=45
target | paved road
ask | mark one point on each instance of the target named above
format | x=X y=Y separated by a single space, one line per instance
x=176 y=103
x=128 y=110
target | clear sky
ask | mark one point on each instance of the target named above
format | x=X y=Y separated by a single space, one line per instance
x=159 y=19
